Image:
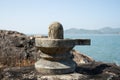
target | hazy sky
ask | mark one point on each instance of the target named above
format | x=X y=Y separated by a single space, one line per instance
x=34 y=16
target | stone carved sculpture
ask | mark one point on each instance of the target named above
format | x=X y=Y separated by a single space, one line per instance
x=56 y=57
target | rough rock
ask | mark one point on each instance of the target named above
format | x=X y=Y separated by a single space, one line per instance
x=80 y=58
x=18 y=54
x=18 y=73
x=91 y=71
x=17 y=49
x=71 y=76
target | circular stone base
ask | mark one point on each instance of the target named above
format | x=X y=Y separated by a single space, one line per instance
x=72 y=76
x=55 y=67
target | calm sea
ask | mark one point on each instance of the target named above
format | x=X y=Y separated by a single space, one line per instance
x=104 y=47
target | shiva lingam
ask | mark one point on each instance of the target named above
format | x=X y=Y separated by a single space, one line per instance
x=56 y=57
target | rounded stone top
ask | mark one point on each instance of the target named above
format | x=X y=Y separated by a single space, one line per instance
x=55 y=31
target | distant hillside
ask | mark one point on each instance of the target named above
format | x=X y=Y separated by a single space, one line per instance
x=106 y=30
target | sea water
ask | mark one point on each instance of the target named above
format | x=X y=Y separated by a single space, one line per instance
x=104 y=47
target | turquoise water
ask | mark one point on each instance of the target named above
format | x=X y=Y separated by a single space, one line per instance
x=104 y=47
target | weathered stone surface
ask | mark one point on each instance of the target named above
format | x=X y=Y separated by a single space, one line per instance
x=55 y=31
x=56 y=56
x=44 y=66
x=18 y=73
x=80 y=58
x=56 y=45
x=71 y=76
x=46 y=42
x=91 y=71
x=17 y=49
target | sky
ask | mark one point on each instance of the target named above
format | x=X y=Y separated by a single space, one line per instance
x=35 y=16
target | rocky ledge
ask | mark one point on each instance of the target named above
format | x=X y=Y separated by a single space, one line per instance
x=91 y=71
x=18 y=55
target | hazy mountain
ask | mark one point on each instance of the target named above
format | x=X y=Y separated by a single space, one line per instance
x=105 y=30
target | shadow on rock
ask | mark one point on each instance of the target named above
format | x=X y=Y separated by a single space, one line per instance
x=18 y=73
x=91 y=68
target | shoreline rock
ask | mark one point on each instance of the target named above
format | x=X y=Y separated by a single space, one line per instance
x=18 y=55
x=91 y=71
x=80 y=58
x=16 y=49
